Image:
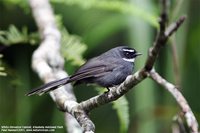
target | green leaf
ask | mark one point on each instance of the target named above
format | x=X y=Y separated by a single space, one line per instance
x=122 y=108
x=21 y=3
x=15 y=36
x=72 y=48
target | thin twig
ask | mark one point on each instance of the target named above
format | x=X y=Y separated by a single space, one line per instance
x=174 y=26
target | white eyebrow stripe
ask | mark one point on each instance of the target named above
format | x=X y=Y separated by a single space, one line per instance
x=129 y=60
x=129 y=50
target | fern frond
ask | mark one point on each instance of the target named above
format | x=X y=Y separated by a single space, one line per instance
x=15 y=36
x=72 y=48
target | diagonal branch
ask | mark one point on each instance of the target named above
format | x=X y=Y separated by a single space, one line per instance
x=191 y=120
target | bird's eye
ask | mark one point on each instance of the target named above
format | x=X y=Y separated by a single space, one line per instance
x=129 y=55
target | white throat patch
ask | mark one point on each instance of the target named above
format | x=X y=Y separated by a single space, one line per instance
x=129 y=60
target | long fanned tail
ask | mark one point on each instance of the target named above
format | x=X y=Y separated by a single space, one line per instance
x=48 y=87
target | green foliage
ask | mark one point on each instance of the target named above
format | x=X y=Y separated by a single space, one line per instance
x=105 y=29
x=2 y=73
x=72 y=47
x=21 y=3
x=100 y=22
x=15 y=36
x=116 y=6
x=122 y=108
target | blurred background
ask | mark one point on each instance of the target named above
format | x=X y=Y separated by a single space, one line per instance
x=89 y=28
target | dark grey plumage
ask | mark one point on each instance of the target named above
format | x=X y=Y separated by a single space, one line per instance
x=107 y=70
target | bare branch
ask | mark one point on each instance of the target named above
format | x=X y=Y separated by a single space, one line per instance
x=48 y=64
x=163 y=15
x=161 y=40
x=189 y=116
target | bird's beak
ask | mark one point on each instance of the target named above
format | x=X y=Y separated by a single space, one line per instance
x=138 y=54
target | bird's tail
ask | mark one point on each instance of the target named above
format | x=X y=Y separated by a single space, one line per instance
x=48 y=87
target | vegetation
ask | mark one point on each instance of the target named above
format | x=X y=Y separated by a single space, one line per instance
x=89 y=28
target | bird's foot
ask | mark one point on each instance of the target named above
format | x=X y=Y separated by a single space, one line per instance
x=108 y=90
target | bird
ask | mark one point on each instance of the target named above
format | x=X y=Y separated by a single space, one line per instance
x=106 y=70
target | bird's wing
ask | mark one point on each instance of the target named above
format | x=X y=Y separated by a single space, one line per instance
x=89 y=72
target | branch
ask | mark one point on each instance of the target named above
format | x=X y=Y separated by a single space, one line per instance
x=161 y=40
x=174 y=26
x=48 y=64
x=190 y=118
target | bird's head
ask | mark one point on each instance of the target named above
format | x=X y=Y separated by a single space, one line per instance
x=128 y=54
